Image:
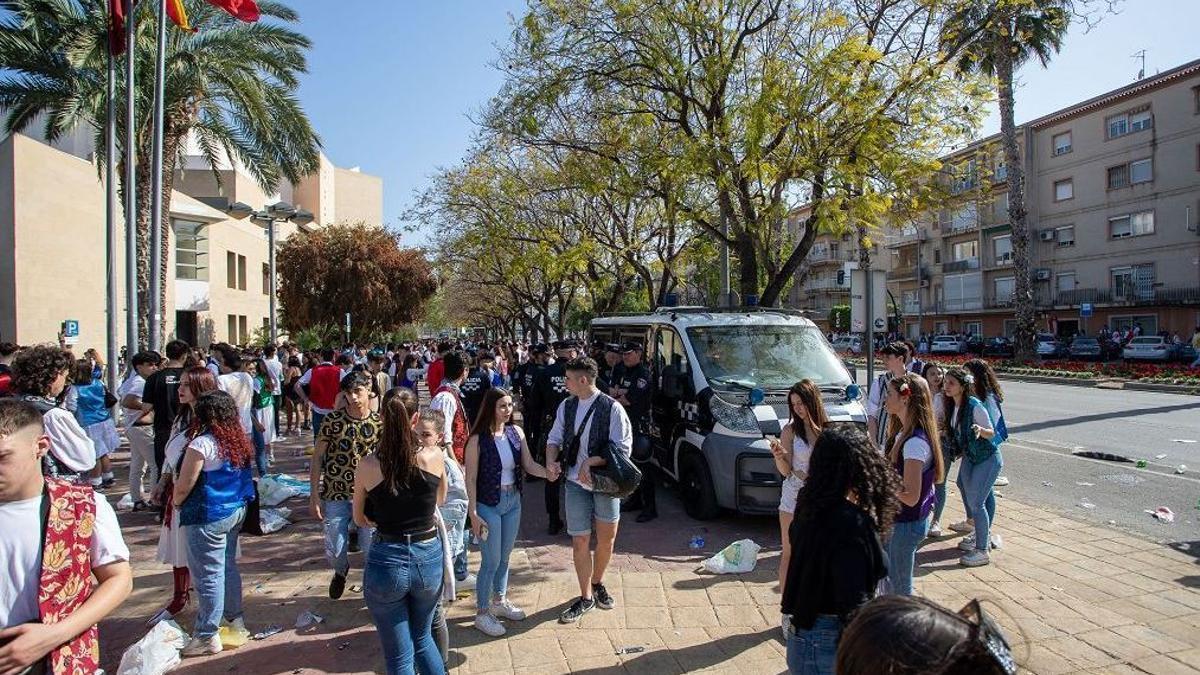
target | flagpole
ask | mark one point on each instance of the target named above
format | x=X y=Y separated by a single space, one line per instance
x=110 y=218
x=156 y=185
x=131 y=233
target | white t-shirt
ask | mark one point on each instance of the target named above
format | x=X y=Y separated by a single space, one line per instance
x=275 y=370
x=620 y=432
x=801 y=453
x=446 y=402
x=21 y=554
x=69 y=443
x=508 y=460
x=918 y=449
x=206 y=445
x=134 y=385
x=240 y=386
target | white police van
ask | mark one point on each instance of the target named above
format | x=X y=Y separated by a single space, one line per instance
x=720 y=388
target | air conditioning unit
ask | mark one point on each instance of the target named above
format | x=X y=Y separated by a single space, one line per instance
x=1042 y=274
x=1046 y=235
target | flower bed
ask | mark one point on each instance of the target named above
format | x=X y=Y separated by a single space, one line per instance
x=1150 y=373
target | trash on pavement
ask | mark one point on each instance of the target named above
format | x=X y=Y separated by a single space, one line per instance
x=232 y=639
x=1182 y=440
x=1181 y=468
x=355 y=588
x=1084 y=484
x=307 y=619
x=1086 y=504
x=1047 y=483
x=737 y=558
x=274 y=520
x=1161 y=455
x=126 y=502
x=273 y=629
x=697 y=542
x=1162 y=514
x=157 y=651
x=343 y=645
x=276 y=488
x=1141 y=463
x=635 y=649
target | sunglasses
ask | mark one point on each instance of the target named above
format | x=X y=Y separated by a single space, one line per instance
x=990 y=636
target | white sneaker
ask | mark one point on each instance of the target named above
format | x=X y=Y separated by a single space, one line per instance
x=506 y=610
x=198 y=646
x=975 y=559
x=935 y=531
x=1001 y=481
x=963 y=526
x=489 y=625
x=967 y=543
x=467 y=584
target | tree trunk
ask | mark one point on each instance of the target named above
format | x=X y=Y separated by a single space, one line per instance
x=1026 y=331
x=170 y=148
x=747 y=265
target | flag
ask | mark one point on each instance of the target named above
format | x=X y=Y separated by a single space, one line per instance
x=116 y=27
x=178 y=15
x=245 y=10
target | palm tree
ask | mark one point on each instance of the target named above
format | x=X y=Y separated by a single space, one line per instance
x=230 y=85
x=1007 y=34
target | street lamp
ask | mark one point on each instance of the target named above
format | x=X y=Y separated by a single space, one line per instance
x=277 y=212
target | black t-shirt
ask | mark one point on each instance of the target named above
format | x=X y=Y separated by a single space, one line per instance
x=162 y=391
x=473 y=389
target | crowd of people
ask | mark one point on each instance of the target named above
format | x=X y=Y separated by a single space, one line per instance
x=410 y=482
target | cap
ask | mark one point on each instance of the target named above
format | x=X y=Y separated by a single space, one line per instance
x=541 y=348
x=630 y=347
x=613 y=347
x=564 y=344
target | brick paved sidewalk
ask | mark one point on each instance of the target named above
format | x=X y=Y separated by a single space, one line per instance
x=1073 y=598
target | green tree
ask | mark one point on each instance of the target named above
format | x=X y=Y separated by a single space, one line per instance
x=231 y=86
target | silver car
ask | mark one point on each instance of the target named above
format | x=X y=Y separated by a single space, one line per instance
x=1152 y=348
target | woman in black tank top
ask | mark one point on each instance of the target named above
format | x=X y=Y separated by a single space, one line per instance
x=396 y=491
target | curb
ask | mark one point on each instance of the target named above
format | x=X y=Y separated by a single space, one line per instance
x=1044 y=379
x=1164 y=388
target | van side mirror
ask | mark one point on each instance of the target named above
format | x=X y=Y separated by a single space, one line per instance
x=853 y=370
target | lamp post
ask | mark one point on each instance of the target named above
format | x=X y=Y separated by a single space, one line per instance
x=277 y=212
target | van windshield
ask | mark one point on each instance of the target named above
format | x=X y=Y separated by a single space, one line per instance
x=768 y=357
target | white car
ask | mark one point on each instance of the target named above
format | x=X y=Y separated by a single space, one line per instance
x=848 y=343
x=1149 y=348
x=949 y=344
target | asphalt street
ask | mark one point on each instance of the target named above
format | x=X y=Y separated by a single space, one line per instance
x=1049 y=423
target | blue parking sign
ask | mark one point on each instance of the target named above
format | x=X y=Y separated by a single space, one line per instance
x=1085 y=310
x=70 y=328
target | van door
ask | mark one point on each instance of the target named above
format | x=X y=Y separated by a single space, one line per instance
x=669 y=362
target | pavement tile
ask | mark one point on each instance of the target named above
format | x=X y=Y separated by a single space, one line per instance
x=649 y=596
x=732 y=594
x=1117 y=645
x=1043 y=661
x=1165 y=665
x=1161 y=605
x=693 y=617
x=735 y=615
x=652 y=663
x=641 y=580
x=647 y=617
x=1190 y=657
x=1078 y=652
x=535 y=651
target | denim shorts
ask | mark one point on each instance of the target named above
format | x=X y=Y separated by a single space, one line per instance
x=814 y=651
x=584 y=505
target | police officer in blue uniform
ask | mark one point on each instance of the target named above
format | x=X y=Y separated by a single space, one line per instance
x=548 y=391
x=609 y=358
x=474 y=387
x=632 y=389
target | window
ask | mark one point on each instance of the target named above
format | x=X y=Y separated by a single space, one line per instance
x=243 y=334
x=1064 y=282
x=965 y=250
x=1141 y=171
x=973 y=327
x=1132 y=225
x=1148 y=322
x=1002 y=249
x=1064 y=236
x=963 y=291
x=937 y=255
x=1010 y=327
x=1133 y=282
x=1128 y=123
x=231 y=269
x=241 y=265
x=1064 y=190
x=266 y=279
x=1001 y=172
x=669 y=351
x=1003 y=289
x=964 y=217
x=1061 y=143
x=1118 y=177
x=191 y=250
x=232 y=326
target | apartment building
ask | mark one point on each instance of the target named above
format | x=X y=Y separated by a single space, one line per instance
x=816 y=287
x=52 y=247
x=1113 y=195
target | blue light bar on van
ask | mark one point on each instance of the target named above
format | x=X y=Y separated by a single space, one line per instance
x=757 y=396
x=671 y=300
x=751 y=301
x=853 y=392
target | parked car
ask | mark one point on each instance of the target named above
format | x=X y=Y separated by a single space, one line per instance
x=1048 y=347
x=1186 y=354
x=975 y=344
x=1150 y=348
x=852 y=344
x=949 y=344
x=1090 y=349
x=999 y=346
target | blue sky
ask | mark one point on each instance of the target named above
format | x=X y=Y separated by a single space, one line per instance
x=392 y=83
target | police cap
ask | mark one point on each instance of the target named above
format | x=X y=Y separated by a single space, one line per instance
x=560 y=345
x=630 y=347
x=541 y=348
x=613 y=347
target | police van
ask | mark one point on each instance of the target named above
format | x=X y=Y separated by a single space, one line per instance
x=720 y=389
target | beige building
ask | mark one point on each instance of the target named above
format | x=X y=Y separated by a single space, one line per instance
x=816 y=287
x=52 y=248
x=1113 y=194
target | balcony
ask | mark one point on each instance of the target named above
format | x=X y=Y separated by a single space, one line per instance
x=913 y=308
x=908 y=273
x=999 y=302
x=951 y=229
x=825 y=285
x=998 y=262
x=1145 y=295
x=955 y=305
x=960 y=265
x=823 y=255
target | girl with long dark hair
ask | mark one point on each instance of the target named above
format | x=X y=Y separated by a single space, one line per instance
x=212 y=487
x=916 y=453
x=806 y=420
x=935 y=376
x=847 y=500
x=971 y=429
x=396 y=491
x=496 y=453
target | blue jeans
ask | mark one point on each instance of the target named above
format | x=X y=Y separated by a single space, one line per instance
x=902 y=553
x=339 y=518
x=260 y=451
x=813 y=651
x=584 y=506
x=503 y=520
x=975 y=481
x=212 y=561
x=454 y=514
x=939 y=489
x=317 y=419
x=402 y=584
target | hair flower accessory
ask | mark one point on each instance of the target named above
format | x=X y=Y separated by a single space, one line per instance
x=904 y=388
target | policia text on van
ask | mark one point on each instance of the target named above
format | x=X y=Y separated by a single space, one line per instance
x=720 y=381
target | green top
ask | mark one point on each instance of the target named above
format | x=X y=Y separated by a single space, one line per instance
x=262 y=396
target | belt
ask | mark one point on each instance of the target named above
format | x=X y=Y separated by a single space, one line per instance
x=508 y=488
x=405 y=538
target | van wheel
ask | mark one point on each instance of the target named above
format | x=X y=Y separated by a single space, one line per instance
x=696 y=488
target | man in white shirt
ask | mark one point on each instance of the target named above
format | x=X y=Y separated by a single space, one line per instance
x=29 y=635
x=584 y=506
x=894 y=355
x=139 y=426
x=237 y=383
x=275 y=370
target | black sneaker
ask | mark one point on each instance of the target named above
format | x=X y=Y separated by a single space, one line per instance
x=354 y=547
x=601 y=596
x=576 y=610
x=556 y=526
x=646 y=515
x=337 y=586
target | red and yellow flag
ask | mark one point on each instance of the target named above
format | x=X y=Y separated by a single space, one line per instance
x=116 y=27
x=178 y=15
x=245 y=10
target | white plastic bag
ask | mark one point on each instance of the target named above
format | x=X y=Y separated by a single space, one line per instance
x=737 y=558
x=156 y=653
x=274 y=520
x=273 y=492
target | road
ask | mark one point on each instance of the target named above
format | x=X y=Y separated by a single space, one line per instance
x=1048 y=423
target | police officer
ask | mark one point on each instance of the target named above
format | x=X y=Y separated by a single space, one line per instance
x=549 y=390
x=473 y=388
x=610 y=367
x=632 y=390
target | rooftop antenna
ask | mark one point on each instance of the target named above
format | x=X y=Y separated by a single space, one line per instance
x=1141 y=54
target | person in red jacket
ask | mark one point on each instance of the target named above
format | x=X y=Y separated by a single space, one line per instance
x=323 y=382
x=437 y=369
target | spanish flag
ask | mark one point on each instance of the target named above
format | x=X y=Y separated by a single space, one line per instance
x=178 y=15
x=243 y=10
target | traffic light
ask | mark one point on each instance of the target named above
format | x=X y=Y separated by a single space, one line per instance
x=841 y=278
